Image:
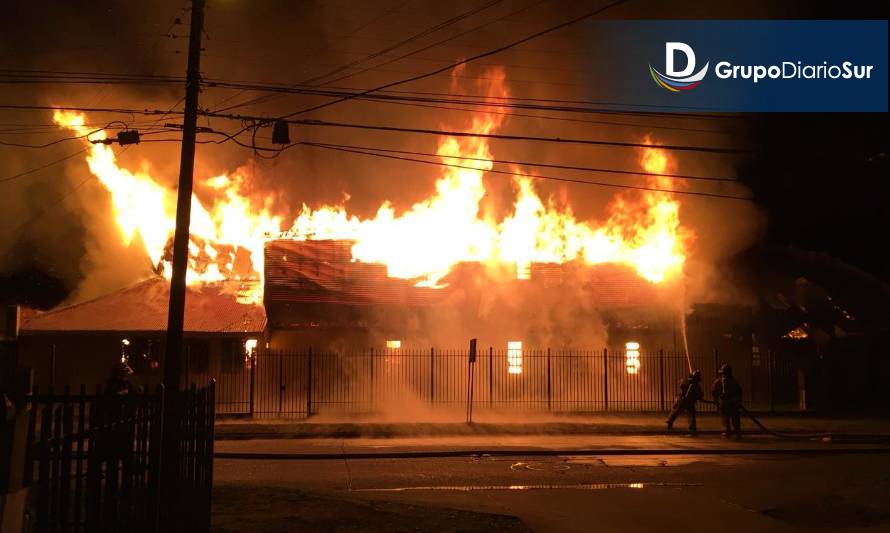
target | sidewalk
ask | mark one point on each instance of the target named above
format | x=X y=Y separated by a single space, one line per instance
x=534 y=424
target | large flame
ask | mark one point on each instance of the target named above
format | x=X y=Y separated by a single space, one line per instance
x=423 y=243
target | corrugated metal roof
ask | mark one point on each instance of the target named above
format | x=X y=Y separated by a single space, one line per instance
x=143 y=307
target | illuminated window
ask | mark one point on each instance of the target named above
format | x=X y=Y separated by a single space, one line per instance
x=393 y=345
x=524 y=271
x=514 y=357
x=249 y=352
x=632 y=354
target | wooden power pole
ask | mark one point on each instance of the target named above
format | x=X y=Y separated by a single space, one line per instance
x=176 y=312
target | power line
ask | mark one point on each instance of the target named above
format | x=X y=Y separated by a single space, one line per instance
x=467 y=60
x=473 y=99
x=420 y=35
x=562 y=119
x=61 y=200
x=538 y=176
x=42 y=167
x=389 y=61
x=383 y=15
x=390 y=48
x=424 y=131
x=76 y=137
x=531 y=163
x=124 y=111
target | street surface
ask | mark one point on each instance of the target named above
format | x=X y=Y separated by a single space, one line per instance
x=744 y=487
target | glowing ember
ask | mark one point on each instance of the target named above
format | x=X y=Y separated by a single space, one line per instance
x=423 y=243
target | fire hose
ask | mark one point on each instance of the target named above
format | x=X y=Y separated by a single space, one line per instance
x=795 y=436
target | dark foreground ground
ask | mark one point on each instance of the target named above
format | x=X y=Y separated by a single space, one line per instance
x=680 y=486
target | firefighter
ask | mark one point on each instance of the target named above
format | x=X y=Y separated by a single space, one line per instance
x=690 y=392
x=728 y=395
x=119 y=381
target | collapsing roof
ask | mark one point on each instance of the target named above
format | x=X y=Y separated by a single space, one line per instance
x=143 y=308
x=323 y=272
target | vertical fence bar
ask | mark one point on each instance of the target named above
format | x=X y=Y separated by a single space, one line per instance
x=309 y=383
x=280 y=381
x=78 y=469
x=661 y=380
x=55 y=518
x=770 y=362
x=251 y=382
x=67 y=444
x=432 y=375
x=157 y=437
x=605 y=379
x=371 y=403
x=751 y=381
x=490 y=377
x=549 y=385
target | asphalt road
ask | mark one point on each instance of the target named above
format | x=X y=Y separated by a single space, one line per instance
x=560 y=492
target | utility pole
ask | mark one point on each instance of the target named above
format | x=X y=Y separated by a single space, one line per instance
x=176 y=312
x=175 y=317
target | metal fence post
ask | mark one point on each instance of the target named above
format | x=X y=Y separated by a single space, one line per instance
x=280 y=381
x=770 y=362
x=432 y=367
x=372 y=377
x=751 y=381
x=309 y=383
x=490 y=377
x=251 y=380
x=661 y=379
x=549 y=391
x=605 y=379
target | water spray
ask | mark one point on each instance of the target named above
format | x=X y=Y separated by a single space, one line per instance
x=683 y=329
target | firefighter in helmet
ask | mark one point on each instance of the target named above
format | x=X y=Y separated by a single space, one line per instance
x=690 y=392
x=727 y=394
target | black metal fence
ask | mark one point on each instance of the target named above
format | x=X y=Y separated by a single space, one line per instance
x=94 y=461
x=301 y=383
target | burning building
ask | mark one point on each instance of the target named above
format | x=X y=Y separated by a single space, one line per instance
x=81 y=343
x=525 y=272
x=454 y=250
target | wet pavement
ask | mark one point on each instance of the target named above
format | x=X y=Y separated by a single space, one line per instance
x=722 y=490
x=532 y=444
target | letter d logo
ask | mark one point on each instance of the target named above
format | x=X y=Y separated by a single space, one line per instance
x=670 y=50
x=675 y=80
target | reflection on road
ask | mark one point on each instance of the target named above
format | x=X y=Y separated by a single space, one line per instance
x=578 y=486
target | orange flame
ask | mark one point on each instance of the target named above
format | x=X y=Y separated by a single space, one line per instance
x=423 y=243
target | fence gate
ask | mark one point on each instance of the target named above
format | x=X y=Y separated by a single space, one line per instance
x=94 y=461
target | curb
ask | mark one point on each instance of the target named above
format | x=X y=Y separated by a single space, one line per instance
x=545 y=453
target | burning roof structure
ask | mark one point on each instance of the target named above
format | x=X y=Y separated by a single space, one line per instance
x=142 y=308
x=416 y=247
x=323 y=272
